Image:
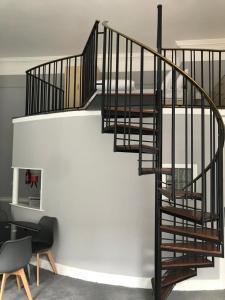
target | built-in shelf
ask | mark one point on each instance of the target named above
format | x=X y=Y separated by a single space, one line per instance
x=27 y=187
x=26 y=206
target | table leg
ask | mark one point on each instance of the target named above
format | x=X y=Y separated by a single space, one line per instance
x=29 y=270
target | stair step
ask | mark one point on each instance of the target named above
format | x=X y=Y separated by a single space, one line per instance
x=186 y=261
x=165 y=291
x=200 y=233
x=129 y=129
x=189 y=215
x=133 y=112
x=135 y=149
x=181 y=194
x=192 y=247
x=173 y=277
x=145 y=171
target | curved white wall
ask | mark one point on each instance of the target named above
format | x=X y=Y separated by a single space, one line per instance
x=105 y=211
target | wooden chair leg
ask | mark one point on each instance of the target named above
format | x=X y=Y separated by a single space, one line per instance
x=18 y=282
x=38 y=269
x=23 y=277
x=4 y=279
x=52 y=261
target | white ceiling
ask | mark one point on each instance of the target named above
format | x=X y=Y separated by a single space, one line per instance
x=56 y=27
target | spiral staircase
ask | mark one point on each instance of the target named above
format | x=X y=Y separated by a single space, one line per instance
x=175 y=122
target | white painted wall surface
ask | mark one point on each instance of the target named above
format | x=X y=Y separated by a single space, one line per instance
x=105 y=211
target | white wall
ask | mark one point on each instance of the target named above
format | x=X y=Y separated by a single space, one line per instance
x=105 y=211
x=103 y=207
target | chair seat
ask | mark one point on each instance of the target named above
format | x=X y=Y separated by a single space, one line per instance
x=39 y=246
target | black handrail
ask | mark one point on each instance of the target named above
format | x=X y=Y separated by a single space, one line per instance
x=178 y=69
x=205 y=66
x=72 y=79
x=204 y=191
x=68 y=83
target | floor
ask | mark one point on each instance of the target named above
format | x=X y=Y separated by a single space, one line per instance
x=64 y=288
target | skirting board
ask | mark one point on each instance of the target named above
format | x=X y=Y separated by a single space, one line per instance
x=130 y=281
x=103 y=278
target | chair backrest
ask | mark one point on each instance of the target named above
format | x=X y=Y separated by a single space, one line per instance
x=15 y=254
x=46 y=233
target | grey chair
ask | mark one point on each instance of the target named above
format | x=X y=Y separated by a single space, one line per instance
x=14 y=256
x=42 y=240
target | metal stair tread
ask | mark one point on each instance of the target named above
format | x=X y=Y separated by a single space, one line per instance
x=122 y=111
x=181 y=194
x=165 y=291
x=166 y=171
x=136 y=148
x=186 y=261
x=192 y=247
x=201 y=233
x=129 y=129
x=173 y=277
x=190 y=215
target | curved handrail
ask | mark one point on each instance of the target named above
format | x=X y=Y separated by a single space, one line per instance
x=179 y=70
x=205 y=66
x=191 y=80
x=205 y=195
x=66 y=57
x=194 y=49
x=214 y=159
x=53 y=61
x=73 y=77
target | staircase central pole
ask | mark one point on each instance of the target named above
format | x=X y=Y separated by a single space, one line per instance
x=158 y=176
x=159 y=29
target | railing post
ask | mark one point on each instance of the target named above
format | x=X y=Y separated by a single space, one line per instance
x=220 y=78
x=116 y=88
x=96 y=56
x=27 y=95
x=158 y=176
x=103 y=76
x=159 y=29
x=220 y=188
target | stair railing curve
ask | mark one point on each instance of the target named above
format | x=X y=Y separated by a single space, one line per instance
x=65 y=83
x=205 y=66
x=188 y=214
x=136 y=117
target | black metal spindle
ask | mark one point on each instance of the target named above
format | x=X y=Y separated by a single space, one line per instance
x=116 y=88
x=125 y=100
x=173 y=150
x=27 y=95
x=141 y=109
x=158 y=177
x=130 y=90
x=220 y=67
x=104 y=77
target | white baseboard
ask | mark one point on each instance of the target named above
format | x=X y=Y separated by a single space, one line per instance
x=130 y=281
x=103 y=278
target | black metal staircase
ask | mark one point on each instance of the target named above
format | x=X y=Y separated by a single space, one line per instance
x=175 y=122
x=188 y=219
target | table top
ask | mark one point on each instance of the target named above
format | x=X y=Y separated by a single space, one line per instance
x=27 y=225
x=11 y=232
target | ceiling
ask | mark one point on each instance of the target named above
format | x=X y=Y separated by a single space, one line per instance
x=55 y=27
